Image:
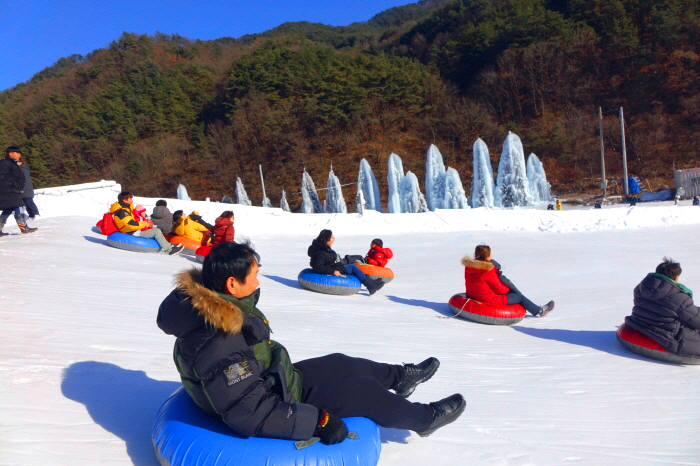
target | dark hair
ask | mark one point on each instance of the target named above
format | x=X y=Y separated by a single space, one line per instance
x=669 y=268
x=161 y=203
x=124 y=195
x=378 y=242
x=481 y=252
x=177 y=215
x=12 y=149
x=227 y=214
x=324 y=236
x=228 y=260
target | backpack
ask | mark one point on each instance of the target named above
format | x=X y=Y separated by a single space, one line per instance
x=107 y=225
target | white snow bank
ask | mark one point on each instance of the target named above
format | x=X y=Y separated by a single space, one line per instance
x=93 y=199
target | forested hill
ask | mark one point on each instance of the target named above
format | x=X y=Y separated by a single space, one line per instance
x=155 y=111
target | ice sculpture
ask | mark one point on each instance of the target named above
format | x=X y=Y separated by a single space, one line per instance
x=241 y=195
x=512 y=186
x=284 y=205
x=182 y=193
x=482 y=180
x=334 y=203
x=434 y=179
x=539 y=188
x=309 y=198
x=367 y=185
x=412 y=200
x=455 y=197
x=395 y=177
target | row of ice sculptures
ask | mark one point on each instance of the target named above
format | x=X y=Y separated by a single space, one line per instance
x=517 y=184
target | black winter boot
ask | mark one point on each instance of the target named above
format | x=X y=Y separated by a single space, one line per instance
x=415 y=374
x=373 y=284
x=444 y=411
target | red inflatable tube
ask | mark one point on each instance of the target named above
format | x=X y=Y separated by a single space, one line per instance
x=202 y=252
x=486 y=313
x=639 y=343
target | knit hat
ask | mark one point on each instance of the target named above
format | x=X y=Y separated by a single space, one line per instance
x=12 y=149
x=139 y=208
x=378 y=242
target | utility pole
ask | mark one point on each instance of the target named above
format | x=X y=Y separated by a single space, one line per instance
x=604 y=181
x=625 y=180
x=262 y=181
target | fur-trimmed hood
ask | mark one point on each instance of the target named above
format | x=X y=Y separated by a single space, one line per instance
x=191 y=306
x=477 y=264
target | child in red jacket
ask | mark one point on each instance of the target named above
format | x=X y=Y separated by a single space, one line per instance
x=378 y=255
x=223 y=231
x=485 y=282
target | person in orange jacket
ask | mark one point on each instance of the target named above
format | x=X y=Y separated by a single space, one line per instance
x=377 y=254
x=191 y=226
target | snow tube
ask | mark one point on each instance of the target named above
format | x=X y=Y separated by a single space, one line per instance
x=133 y=243
x=639 y=343
x=184 y=435
x=202 y=252
x=374 y=271
x=484 y=313
x=344 y=285
x=190 y=245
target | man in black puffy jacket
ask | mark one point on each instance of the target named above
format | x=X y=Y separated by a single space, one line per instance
x=664 y=310
x=233 y=370
x=11 y=186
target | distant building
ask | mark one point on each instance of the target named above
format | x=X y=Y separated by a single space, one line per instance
x=687 y=182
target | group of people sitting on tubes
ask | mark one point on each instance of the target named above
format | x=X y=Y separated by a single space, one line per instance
x=133 y=220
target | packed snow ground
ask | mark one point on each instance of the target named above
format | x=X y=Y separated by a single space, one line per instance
x=85 y=367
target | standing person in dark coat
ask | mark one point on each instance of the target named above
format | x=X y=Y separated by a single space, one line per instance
x=28 y=191
x=162 y=217
x=11 y=185
x=234 y=371
x=326 y=261
x=664 y=311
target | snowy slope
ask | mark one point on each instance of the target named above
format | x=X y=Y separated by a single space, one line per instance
x=85 y=367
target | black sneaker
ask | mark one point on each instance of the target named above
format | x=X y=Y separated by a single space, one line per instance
x=444 y=411
x=546 y=309
x=415 y=374
x=176 y=249
x=3 y=234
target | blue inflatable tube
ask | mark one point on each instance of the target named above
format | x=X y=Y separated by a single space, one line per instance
x=133 y=243
x=330 y=284
x=183 y=435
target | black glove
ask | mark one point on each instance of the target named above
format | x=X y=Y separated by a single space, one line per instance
x=331 y=429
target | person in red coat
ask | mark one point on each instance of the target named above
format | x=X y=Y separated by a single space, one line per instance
x=378 y=255
x=484 y=282
x=223 y=231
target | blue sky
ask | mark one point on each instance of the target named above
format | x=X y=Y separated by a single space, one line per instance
x=36 y=33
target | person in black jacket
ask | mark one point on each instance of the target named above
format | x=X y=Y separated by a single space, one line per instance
x=233 y=370
x=326 y=261
x=27 y=192
x=664 y=311
x=11 y=185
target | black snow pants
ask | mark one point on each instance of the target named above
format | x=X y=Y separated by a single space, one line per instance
x=347 y=386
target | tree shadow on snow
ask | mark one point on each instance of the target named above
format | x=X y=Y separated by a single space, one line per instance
x=284 y=281
x=440 y=308
x=92 y=239
x=122 y=401
x=601 y=340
